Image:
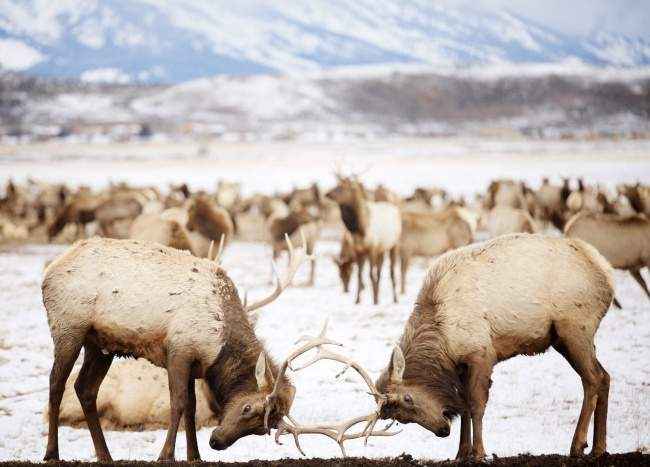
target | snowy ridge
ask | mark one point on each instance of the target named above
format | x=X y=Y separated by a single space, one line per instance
x=178 y=40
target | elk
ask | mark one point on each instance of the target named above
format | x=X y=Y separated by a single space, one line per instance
x=503 y=220
x=208 y=219
x=375 y=228
x=483 y=304
x=431 y=234
x=345 y=260
x=182 y=313
x=80 y=210
x=623 y=241
x=160 y=229
x=299 y=226
x=505 y=193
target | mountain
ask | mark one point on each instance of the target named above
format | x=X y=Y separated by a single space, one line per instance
x=177 y=40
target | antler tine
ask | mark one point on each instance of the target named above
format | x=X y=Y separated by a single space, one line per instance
x=216 y=257
x=312 y=342
x=211 y=249
x=296 y=257
x=334 y=432
x=222 y=241
x=326 y=354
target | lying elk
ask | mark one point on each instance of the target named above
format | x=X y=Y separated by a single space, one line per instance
x=375 y=228
x=623 y=241
x=180 y=312
x=483 y=304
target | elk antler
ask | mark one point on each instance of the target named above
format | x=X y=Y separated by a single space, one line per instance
x=380 y=399
x=217 y=256
x=311 y=343
x=335 y=432
x=295 y=260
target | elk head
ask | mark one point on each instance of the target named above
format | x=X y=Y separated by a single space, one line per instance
x=257 y=406
x=410 y=401
x=252 y=398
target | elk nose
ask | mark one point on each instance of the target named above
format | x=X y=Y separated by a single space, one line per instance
x=443 y=432
x=214 y=444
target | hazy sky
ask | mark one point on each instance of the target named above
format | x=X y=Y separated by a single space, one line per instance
x=582 y=16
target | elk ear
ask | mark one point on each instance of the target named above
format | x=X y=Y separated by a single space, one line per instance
x=398 y=364
x=260 y=372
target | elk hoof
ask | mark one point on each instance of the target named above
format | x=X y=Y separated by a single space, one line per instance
x=51 y=457
x=578 y=451
x=597 y=452
x=464 y=453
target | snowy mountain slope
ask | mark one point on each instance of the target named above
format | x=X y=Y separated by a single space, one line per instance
x=177 y=40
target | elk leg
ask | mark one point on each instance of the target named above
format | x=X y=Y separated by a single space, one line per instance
x=465 y=444
x=479 y=387
x=578 y=350
x=276 y=255
x=93 y=371
x=636 y=273
x=312 y=263
x=393 y=259
x=65 y=354
x=377 y=265
x=600 y=415
x=190 y=423
x=404 y=266
x=178 y=373
x=360 y=263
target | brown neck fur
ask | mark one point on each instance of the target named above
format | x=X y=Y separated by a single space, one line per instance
x=206 y=220
x=234 y=369
x=427 y=362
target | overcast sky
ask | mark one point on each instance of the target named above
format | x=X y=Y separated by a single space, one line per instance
x=580 y=17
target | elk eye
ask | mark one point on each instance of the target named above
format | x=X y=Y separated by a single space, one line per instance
x=448 y=414
x=408 y=399
x=247 y=408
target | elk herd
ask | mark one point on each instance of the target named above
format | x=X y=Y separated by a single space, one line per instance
x=143 y=279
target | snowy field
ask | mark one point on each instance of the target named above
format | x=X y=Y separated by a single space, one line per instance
x=534 y=401
x=461 y=165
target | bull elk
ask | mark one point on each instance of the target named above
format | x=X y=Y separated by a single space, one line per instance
x=182 y=313
x=483 y=304
x=375 y=228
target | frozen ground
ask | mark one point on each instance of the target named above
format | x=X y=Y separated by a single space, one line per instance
x=534 y=400
x=462 y=165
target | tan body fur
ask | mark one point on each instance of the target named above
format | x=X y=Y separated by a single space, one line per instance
x=431 y=234
x=375 y=228
x=503 y=220
x=485 y=303
x=623 y=241
x=180 y=312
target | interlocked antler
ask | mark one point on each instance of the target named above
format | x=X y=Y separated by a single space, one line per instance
x=296 y=257
x=312 y=342
x=337 y=432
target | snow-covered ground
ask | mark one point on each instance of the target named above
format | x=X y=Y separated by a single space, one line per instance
x=534 y=400
x=461 y=165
